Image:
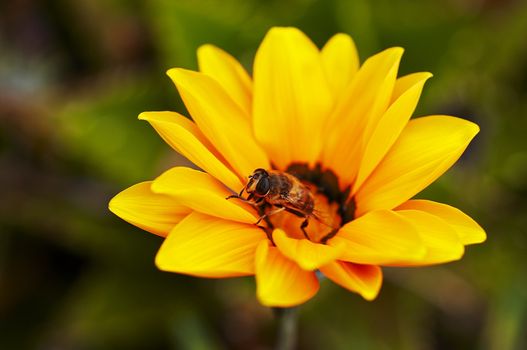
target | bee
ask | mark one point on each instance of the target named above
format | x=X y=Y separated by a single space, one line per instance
x=280 y=191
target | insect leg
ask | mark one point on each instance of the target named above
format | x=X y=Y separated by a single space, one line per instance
x=239 y=195
x=270 y=227
x=249 y=200
x=296 y=212
x=330 y=235
x=303 y=227
x=272 y=212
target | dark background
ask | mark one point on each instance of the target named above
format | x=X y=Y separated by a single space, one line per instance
x=75 y=74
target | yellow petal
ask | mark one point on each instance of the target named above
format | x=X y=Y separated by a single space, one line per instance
x=379 y=238
x=441 y=240
x=427 y=147
x=184 y=136
x=365 y=280
x=201 y=192
x=155 y=213
x=308 y=255
x=227 y=71
x=340 y=61
x=280 y=282
x=205 y=246
x=468 y=230
x=220 y=119
x=292 y=98
x=358 y=111
x=406 y=94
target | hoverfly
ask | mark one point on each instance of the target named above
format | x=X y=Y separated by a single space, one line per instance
x=282 y=192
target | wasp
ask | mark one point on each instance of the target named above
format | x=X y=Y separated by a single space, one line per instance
x=280 y=191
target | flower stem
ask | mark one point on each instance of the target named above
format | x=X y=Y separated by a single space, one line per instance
x=287 y=328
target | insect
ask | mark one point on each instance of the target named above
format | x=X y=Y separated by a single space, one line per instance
x=280 y=191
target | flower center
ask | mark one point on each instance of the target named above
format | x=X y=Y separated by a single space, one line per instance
x=332 y=207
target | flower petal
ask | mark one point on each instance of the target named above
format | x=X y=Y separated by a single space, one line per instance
x=340 y=61
x=379 y=238
x=357 y=113
x=201 y=192
x=427 y=147
x=280 y=282
x=308 y=255
x=220 y=119
x=441 y=240
x=291 y=97
x=152 y=212
x=205 y=246
x=184 y=136
x=468 y=230
x=406 y=94
x=365 y=280
x=227 y=71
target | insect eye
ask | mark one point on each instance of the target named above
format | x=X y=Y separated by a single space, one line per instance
x=263 y=186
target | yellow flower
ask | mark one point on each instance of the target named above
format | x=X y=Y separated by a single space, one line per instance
x=342 y=128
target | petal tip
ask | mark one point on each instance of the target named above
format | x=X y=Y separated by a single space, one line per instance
x=480 y=238
x=270 y=300
x=161 y=263
x=472 y=129
x=205 y=50
x=284 y=32
x=371 y=295
x=171 y=71
x=156 y=187
x=279 y=29
x=476 y=129
x=177 y=73
x=483 y=236
x=422 y=77
x=115 y=203
x=205 y=47
x=112 y=205
x=157 y=116
x=396 y=51
x=144 y=116
x=373 y=292
x=343 y=36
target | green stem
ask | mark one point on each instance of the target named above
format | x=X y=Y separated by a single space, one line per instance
x=287 y=328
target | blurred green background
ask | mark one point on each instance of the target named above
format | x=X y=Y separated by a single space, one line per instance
x=75 y=74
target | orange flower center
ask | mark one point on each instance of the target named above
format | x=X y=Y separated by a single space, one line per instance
x=332 y=208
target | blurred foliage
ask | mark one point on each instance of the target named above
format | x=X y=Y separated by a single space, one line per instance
x=75 y=74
